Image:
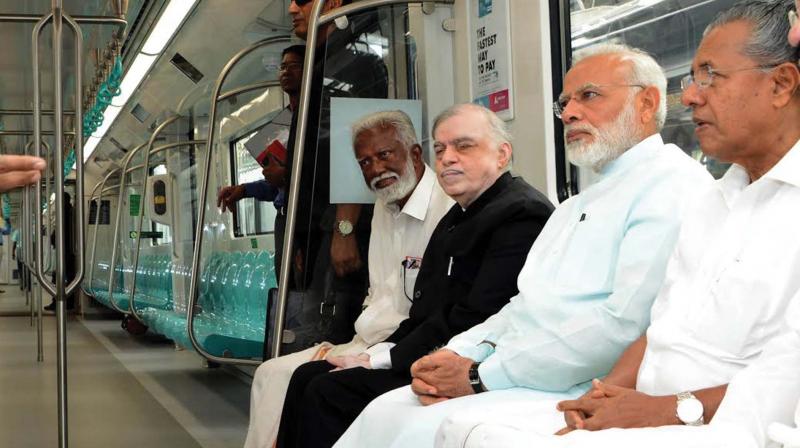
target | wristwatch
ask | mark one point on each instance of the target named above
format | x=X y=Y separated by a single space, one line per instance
x=690 y=409
x=344 y=227
x=475 y=378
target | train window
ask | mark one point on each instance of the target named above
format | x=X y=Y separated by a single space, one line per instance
x=670 y=30
x=252 y=217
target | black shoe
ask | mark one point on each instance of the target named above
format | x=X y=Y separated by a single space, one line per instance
x=2 y=291
x=51 y=307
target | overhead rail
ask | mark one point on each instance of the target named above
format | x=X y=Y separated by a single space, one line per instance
x=56 y=18
x=216 y=98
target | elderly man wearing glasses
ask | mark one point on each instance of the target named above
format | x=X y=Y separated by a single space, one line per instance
x=720 y=358
x=590 y=278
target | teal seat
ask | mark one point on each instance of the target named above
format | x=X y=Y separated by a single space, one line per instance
x=233 y=302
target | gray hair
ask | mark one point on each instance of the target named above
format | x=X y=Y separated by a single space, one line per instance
x=397 y=119
x=645 y=71
x=497 y=127
x=767 y=44
x=498 y=130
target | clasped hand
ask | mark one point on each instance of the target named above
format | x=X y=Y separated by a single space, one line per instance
x=607 y=406
x=440 y=376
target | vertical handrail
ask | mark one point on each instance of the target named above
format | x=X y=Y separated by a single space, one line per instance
x=37 y=138
x=80 y=224
x=117 y=224
x=146 y=166
x=99 y=185
x=206 y=172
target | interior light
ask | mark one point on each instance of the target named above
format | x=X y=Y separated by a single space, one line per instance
x=166 y=26
x=89 y=147
x=109 y=116
x=133 y=77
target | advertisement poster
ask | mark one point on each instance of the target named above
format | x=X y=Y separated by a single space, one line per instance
x=490 y=56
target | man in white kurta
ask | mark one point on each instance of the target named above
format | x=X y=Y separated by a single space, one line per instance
x=398 y=241
x=590 y=278
x=733 y=274
x=720 y=328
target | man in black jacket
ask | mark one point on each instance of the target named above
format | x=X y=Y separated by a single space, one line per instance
x=470 y=270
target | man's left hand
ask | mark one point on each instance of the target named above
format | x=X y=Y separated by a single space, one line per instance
x=609 y=406
x=344 y=254
x=442 y=374
x=349 y=361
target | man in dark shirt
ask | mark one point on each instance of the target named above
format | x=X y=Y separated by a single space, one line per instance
x=470 y=270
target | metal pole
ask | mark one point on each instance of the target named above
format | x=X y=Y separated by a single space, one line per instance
x=26 y=112
x=146 y=166
x=79 y=227
x=61 y=322
x=198 y=242
x=99 y=185
x=23 y=133
x=33 y=18
x=117 y=223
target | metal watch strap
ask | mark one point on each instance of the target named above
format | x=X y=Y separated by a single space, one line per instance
x=687 y=395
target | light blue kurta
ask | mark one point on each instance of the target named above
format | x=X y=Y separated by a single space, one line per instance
x=585 y=294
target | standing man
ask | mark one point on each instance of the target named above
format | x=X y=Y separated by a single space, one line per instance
x=470 y=265
x=409 y=205
x=590 y=278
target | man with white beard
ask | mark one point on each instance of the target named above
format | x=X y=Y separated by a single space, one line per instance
x=409 y=205
x=590 y=278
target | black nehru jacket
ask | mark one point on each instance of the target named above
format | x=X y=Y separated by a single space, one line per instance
x=488 y=244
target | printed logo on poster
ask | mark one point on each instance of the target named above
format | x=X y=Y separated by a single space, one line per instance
x=484 y=7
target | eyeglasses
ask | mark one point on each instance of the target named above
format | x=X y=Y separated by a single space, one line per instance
x=585 y=95
x=302 y=2
x=704 y=77
x=290 y=66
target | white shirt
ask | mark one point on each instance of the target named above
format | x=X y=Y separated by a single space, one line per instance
x=590 y=278
x=397 y=236
x=734 y=270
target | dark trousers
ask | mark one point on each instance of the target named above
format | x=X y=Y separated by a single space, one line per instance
x=320 y=405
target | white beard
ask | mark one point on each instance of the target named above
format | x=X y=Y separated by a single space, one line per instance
x=609 y=142
x=405 y=184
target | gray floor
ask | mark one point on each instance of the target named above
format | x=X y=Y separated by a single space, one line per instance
x=123 y=391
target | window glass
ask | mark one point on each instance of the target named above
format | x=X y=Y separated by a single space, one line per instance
x=670 y=30
x=253 y=217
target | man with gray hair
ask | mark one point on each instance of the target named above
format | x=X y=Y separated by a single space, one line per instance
x=468 y=273
x=720 y=360
x=590 y=278
x=409 y=204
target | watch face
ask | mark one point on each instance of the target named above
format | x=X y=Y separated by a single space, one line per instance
x=690 y=410
x=345 y=227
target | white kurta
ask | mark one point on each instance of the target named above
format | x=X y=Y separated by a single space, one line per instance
x=720 y=318
x=585 y=294
x=397 y=235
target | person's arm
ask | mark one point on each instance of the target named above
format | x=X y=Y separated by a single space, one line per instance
x=261 y=190
x=493 y=286
x=344 y=249
x=590 y=341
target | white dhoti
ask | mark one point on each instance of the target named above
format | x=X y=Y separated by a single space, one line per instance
x=270 y=383
x=509 y=435
x=397 y=419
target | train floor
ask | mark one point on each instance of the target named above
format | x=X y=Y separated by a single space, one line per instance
x=123 y=391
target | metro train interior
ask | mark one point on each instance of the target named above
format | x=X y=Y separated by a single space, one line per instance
x=146 y=109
